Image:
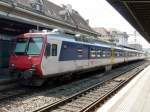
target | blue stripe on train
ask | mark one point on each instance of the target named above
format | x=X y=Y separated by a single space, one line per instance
x=69 y=51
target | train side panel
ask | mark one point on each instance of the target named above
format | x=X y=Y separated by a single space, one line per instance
x=73 y=56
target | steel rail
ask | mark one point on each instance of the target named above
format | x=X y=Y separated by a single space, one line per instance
x=70 y=98
x=102 y=99
x=10 y=94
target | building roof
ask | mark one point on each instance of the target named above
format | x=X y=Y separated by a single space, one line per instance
x=102 y=31
x=53 y=11
x=114 y=31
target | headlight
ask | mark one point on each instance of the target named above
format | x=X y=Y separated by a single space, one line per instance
x=33 y=66
x=13 y=65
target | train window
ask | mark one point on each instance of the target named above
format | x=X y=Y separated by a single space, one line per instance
x=112 y=52
x=48 y=50
x=80 y=52
x=132 y=54
x=108 y=54
x=104 y=54
x=34 y=46
x=117 y=54
x=93 y=53
x=54 y=49
x=126 y=54
x=21 y=46
x=65 y=46
x=120 y=53
x=98 y=53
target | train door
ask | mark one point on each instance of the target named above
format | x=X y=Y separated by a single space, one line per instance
x=126 y=56
x=112 y=59
x=82 y=57
x=89 y=56
x=50 y=61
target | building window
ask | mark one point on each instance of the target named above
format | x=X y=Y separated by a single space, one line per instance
x=54 y=49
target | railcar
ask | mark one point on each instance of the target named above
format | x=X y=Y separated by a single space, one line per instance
x=38 y=56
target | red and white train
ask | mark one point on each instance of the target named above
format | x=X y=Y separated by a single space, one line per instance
x=50 y=54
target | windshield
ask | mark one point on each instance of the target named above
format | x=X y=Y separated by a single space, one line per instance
x=21 y=46
x=30 y=46
x=35 y=46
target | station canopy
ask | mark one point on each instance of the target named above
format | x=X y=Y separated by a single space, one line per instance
x=136 y=12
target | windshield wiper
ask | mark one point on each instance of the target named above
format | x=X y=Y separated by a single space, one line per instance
x=20 y=53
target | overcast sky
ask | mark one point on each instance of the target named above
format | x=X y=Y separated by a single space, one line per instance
x=101 y=14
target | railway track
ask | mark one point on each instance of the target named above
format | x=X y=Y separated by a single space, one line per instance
x=13 y=92
x=38 y=100
x=87 y=99
x=11 y=89
x=8 y=84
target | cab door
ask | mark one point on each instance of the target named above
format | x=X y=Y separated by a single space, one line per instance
x=50 y=61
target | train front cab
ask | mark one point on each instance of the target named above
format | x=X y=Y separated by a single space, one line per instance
x=25 y=62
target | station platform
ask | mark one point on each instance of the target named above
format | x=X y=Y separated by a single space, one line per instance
x=134 y=97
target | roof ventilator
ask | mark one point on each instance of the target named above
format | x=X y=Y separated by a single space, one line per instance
x=37 y=5
x=65 y=14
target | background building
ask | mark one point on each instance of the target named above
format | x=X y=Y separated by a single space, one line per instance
x=37 y=15
x=120 y=38
x=113 y=35
x=147 y=51
x=105 y=35
x=136 y=46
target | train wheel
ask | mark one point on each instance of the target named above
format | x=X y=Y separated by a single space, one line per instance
x=34 y=81
x=38 y=82
x=15 y=75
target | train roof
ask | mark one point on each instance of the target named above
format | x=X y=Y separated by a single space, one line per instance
x=69 y=38
x=73 y=38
